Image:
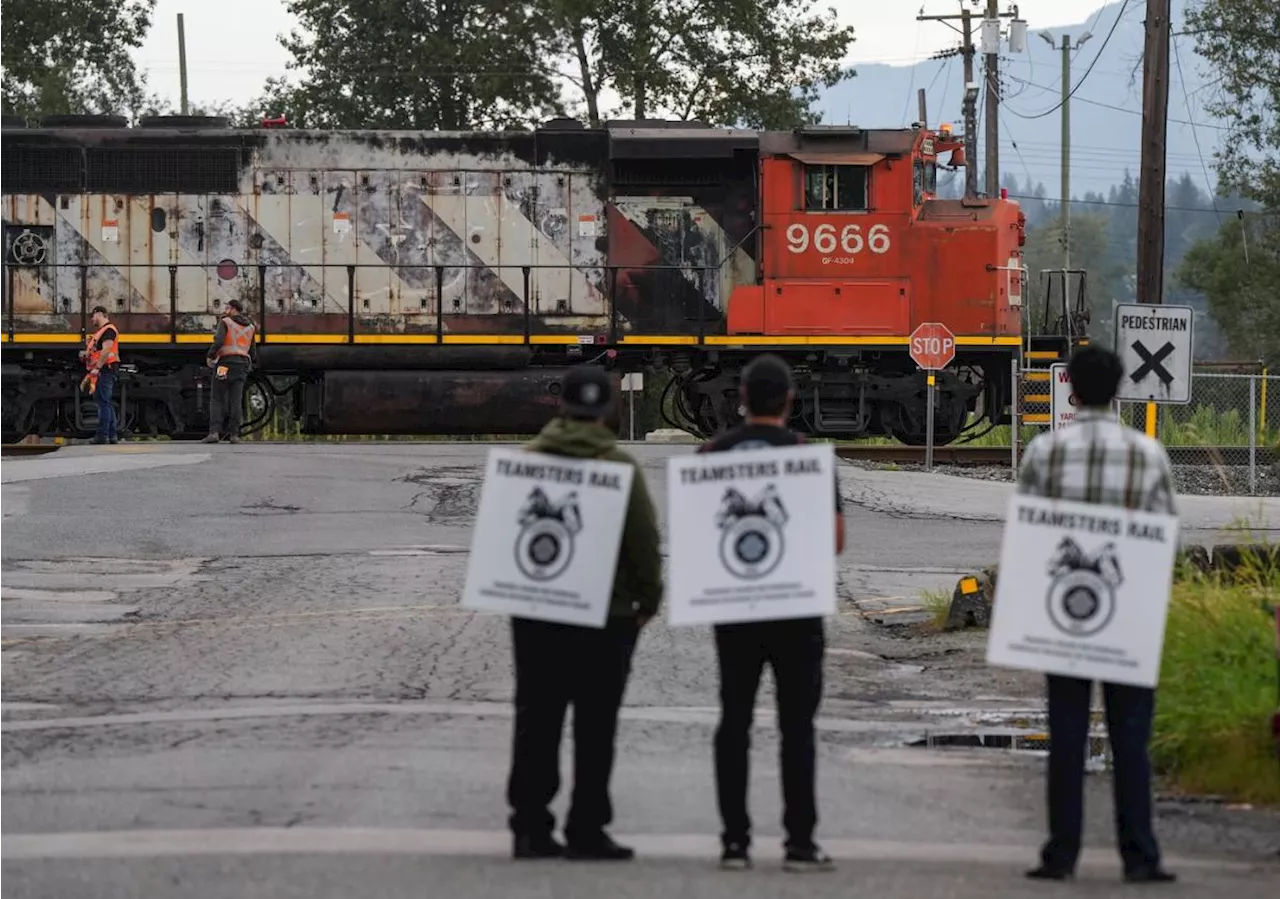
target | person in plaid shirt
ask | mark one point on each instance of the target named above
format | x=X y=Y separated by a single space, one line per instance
x=1096 y=459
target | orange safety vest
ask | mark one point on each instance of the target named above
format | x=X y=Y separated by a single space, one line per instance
x=237 y=340
x=94 y=352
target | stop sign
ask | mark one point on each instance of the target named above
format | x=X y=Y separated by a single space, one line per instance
x=933 y=346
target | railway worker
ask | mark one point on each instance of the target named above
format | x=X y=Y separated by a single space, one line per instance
x=101 y=355
x=1096 y=459
x=230 y=357
x=558 y=664
x=794 y=648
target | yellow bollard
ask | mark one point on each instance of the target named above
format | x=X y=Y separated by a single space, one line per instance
x=1262 y=406
x=1151 y=419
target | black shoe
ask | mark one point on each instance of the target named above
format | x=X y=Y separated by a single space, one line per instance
x=1045 y=872
x=599 y=849
x=114 y=440
x=735 y=857
x=809 y=859
x=98 y=440
x=1153 y=874
x=544 y=846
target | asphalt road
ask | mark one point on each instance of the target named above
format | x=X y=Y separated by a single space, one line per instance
x=243 y=672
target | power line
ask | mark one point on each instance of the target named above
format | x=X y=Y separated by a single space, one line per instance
x=1195 y=133
x=1085 y=76
x=1083 y=202
x=1116 y=108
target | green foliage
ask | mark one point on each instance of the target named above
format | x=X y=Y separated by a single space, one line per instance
x=1238 y=271
x=72 y=56
x=725 y=62
x=416 y=64
x=1218 y=688
x=1091 y=249
x=1240 y=39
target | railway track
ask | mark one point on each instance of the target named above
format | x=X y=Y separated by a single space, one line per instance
x=999 y=455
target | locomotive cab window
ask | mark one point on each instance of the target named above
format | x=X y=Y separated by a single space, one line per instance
x=835 y=187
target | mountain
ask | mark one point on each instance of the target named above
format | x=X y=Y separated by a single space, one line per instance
x=1106 y=117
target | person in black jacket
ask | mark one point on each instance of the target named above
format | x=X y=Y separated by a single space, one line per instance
x=794 y=648
x=230 y=356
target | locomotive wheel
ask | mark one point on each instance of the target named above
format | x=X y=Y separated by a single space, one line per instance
x=908 y=426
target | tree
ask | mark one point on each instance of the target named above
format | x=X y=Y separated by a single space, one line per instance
x=72 y=56
x=420 y=64
x=1238 y=271
x=1105 y=281
x=725 y=62
x=1241 y=39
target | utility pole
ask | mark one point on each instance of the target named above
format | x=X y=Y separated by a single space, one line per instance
x=1155 y=127
x=1155 y=121
x=991 y=40
x=1065 y=188
x=993 y=102
x=182 y=61
x=924 y=107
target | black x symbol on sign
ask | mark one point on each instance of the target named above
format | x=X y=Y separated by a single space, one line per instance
x=1151 y=363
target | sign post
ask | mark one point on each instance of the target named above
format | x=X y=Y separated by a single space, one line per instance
x=632 y=383
x=1062 y=402
x=1156 y=344
x=933 y=347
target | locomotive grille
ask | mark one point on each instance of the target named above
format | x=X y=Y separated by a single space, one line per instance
x=30 y=170
x=163 y=170
x=661 y=173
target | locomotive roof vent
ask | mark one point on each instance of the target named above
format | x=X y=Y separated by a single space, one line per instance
x=655 y=123
x=829 y=131
x=185 y=122
x=563 y=124
x=12 y=121
x=84 y=121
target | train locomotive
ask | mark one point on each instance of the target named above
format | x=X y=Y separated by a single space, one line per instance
x=428 y=282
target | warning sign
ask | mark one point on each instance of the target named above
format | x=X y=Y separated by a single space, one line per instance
x=1083 y=590
x=586 y=226
x=341 y=223
x=111 y=230
x=752 y=535
x=547 y=536
x=1062 y=407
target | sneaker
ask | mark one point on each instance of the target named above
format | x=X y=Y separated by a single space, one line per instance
x=98 y=441
x=1149 y=874
x=530 y=847
x=810 y=859
x=1049 y=872
x=233 y=439
x=210 y=438
x=599 y=849
x=735 y=857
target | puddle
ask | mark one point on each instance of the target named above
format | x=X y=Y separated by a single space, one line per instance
x=1021 y=733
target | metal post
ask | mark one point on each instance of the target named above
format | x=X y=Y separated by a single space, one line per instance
x=262 y=303
x=173 y=304
x=631 y=403
x=1151 y=420
x=1013 y=413
x=928 y=423
x=524 y=271
x=1066 y=165
x=970 y=110
x=439 y=304
x=1253 y=436
x=351 y=304
x=993 y=111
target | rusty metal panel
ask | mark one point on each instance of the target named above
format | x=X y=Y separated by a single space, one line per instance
x=446 y=201
x=411 y=246
x=303 y=285
x=485 y=282
x=226 y=230
x=377 y=284
x=187 y=231
x=589 y=246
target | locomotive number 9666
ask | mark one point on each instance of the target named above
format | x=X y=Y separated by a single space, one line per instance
x=838 y=249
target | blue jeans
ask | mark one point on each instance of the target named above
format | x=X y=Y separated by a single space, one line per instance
x=106 y=409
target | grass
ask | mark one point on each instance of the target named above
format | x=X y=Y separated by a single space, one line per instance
x=1217 y=690
x=938 y=602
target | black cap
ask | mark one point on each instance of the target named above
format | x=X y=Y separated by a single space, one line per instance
x=586 y=392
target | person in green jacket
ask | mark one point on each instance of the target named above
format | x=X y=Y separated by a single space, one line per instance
x=558 y=664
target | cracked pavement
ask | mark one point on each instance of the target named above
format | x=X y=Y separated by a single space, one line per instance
x=247 y=675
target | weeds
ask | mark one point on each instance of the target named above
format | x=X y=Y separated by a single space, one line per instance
x=938 y=602
x=1218 y=686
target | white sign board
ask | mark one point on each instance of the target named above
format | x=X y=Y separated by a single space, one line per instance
x=547 y=535
x=1083 y=590
x=1062 y=402
x=633 y=382
x=752 y=535
x=1155 y=343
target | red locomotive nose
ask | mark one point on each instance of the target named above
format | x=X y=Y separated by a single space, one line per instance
x=280 y=122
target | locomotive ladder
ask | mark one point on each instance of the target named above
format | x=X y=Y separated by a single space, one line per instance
x=1058 y=332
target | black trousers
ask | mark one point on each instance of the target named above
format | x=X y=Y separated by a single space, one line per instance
x=795 y=651
x=227 y=400
x=559 y=664
x=1129 y=714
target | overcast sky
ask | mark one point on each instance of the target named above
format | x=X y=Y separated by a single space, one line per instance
x=232 y=47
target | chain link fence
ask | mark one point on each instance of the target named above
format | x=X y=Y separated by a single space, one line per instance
x=1225 y=440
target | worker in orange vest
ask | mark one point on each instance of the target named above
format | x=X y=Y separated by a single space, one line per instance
x=101 y=355
x=230 y=357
